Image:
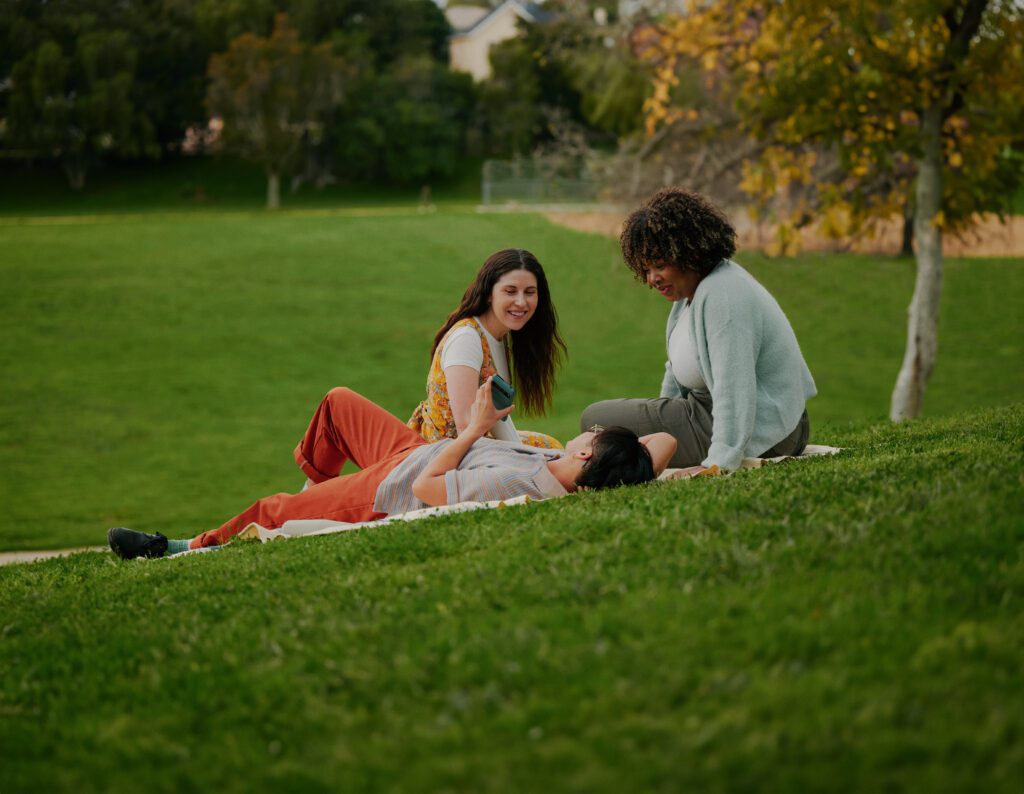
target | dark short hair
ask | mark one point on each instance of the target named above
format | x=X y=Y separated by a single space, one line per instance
x=618 y=459
x=677 y=227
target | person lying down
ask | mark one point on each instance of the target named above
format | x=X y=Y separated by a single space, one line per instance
x=400 y=471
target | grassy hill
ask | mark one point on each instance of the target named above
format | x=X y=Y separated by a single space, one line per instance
x=851 y=623
x=159 y=371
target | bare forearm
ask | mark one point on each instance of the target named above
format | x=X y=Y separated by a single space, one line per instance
x=429 y=486
x=462 y=385
x=662 y=447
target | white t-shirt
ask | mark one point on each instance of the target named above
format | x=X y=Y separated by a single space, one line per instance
x=682 y=354
x=462 y=349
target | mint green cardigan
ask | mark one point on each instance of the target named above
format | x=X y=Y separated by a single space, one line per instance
x=750 y=360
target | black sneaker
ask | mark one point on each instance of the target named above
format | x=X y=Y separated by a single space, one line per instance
x=129 y=544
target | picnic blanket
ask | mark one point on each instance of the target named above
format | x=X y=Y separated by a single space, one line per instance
x=323 y=526
x=308 y=527
x=810 y=451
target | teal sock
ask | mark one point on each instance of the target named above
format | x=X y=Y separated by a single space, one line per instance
x=176 y=546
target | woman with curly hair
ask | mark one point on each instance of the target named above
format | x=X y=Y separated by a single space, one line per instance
x=506 y=324
x=735 y=382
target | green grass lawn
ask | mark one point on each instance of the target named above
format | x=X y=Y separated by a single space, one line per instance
x=847 y=624
x=158 y=372
x=850 y=623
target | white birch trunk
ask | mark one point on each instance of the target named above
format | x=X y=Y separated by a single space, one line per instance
x=923 y=314
x=273 y=191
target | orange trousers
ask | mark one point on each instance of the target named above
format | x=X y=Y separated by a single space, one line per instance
x=346 y=426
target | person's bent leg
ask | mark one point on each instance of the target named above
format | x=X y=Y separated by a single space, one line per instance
x=688 y=420
x=794 y=443
x=347 y=426
x=349 y=499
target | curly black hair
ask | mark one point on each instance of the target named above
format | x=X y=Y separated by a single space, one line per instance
x=679 y=228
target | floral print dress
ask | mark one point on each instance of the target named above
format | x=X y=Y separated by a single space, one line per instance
x=433 y=417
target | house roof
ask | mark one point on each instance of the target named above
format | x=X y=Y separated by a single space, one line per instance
x=465 y=19
x=462 y=18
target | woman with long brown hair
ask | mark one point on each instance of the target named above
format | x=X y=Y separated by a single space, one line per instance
x=505 y=324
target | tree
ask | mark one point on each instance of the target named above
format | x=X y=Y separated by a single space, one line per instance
x=424 y=110
x=917 y=101
x=509 y=99
x=272 y=95
x=395 y=51
x=73 y=105
x=91 y=80
x=569 y=69
x=390 y=30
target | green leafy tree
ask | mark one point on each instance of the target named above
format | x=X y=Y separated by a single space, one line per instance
x=135 y=69
x=273 y=94
x=389 y=30
x=510 y=99
x=75 y=104
x=567 y=67
x=426 y=112
x=919 y=101
x=407 y=124
x=364 y=137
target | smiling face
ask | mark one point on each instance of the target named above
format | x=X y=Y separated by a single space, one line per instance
x=673 y=282
x=513 y=302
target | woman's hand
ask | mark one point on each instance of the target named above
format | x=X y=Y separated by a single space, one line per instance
x=429 y=486
x=692 y=471
x=483 y=414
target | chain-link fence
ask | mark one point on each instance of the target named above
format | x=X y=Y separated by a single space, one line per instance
x=529 y=181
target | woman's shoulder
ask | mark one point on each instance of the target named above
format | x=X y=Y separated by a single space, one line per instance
x=727 y=271
x=467 y=327
x=731 y=282
x=463 y=345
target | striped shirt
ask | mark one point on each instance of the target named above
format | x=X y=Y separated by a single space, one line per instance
x=490 y=470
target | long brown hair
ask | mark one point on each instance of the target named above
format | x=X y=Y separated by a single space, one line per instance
x=537 y=350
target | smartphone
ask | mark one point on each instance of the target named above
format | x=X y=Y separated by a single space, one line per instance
x=502 y=393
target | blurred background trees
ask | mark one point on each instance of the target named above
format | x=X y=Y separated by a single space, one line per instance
x=858 y=112
x=86 y=79
x=84 y=82
x=801 y=112
x=838 y=116
x=274 y=96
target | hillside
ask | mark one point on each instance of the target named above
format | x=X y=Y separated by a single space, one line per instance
x=159 y=371
x=850 y=623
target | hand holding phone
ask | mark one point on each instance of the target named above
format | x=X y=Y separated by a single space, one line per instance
x=502 y=393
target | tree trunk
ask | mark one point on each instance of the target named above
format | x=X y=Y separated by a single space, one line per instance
x=273 y=190
x=923 y=314
x=907 y=246
x=75 y=166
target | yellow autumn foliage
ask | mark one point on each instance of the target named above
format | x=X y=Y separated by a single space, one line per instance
x=856 y=75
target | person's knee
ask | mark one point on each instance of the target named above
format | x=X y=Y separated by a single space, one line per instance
x=587 y=417
x=340 y=395
x=594 y=414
